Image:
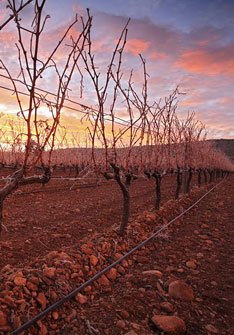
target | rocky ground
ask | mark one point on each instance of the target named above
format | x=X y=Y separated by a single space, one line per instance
x=41 y=219
x=182 y=283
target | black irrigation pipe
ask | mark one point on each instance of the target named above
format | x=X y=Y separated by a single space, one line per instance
x=102 y=272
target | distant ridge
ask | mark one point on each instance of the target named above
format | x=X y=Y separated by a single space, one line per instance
x=225 y=145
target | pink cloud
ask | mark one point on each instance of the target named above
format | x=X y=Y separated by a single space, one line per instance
x=208 y=62
x=137 y=46
x=154 y=55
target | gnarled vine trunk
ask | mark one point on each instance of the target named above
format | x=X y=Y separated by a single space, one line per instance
x=18 y=179
x=190 y=176
x=178 y=182
x=124 y=186
x=199 y=177
x=158 y=180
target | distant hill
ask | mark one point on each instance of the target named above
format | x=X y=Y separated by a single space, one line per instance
x=227 y=146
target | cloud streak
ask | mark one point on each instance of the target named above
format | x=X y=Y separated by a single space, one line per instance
x=208 y=62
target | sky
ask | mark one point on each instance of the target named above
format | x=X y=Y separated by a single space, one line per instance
x=189 y=43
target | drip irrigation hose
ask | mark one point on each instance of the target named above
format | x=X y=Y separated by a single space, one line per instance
x=72 y=294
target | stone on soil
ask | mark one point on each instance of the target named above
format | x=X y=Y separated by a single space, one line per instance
x=104 y=281
x=20 y=281
x=155 y=273
x=55 y=315
x=171 y=325
x=112 y=274
x=121 y=324
x=31 y=286
x=191 y=264
x=82 y=299
x=178 y=289
x=42 y=300
x=167 y=307
x=93 y=260
x=49 y=272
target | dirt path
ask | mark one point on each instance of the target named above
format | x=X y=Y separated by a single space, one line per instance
x=204 y=237
x=49 y=220
x=197 y=249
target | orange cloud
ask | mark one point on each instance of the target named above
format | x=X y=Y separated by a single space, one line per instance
x=226 y=101
x=7 y=36
x=157 y=55
x=137 y=46
x=191 y=103
x=207 y=62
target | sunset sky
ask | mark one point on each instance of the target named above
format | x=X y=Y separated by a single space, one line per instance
x=189 y=43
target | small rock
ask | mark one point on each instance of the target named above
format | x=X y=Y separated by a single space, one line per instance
x=8 y=300
x=20 y=281
x=53 y=295
x=34 y=280
x=191 y=264
x=88 y=288
x=106 y=246
x=206 y=226
x=49 y=272
x=167 y=307
x=82 y=299
x=86 y=249
x=209 y=242
x=41 y=298
x=214 y=283
x=156 y=273
x=104 y=281
x=121 y=270
x=131 y=333
x=20 y=301
x=55 y=315
x=212 y=329
x=121 y=324
x=112 y=274
x=149 y=217
x=124 y=314
x=6 y=268
x=93 y=260
x=31 y=286
x=63 y=256
x=136 y=326
x=178 y=289
x=171 y=325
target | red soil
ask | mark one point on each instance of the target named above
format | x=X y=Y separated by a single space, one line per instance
x=44 y=221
